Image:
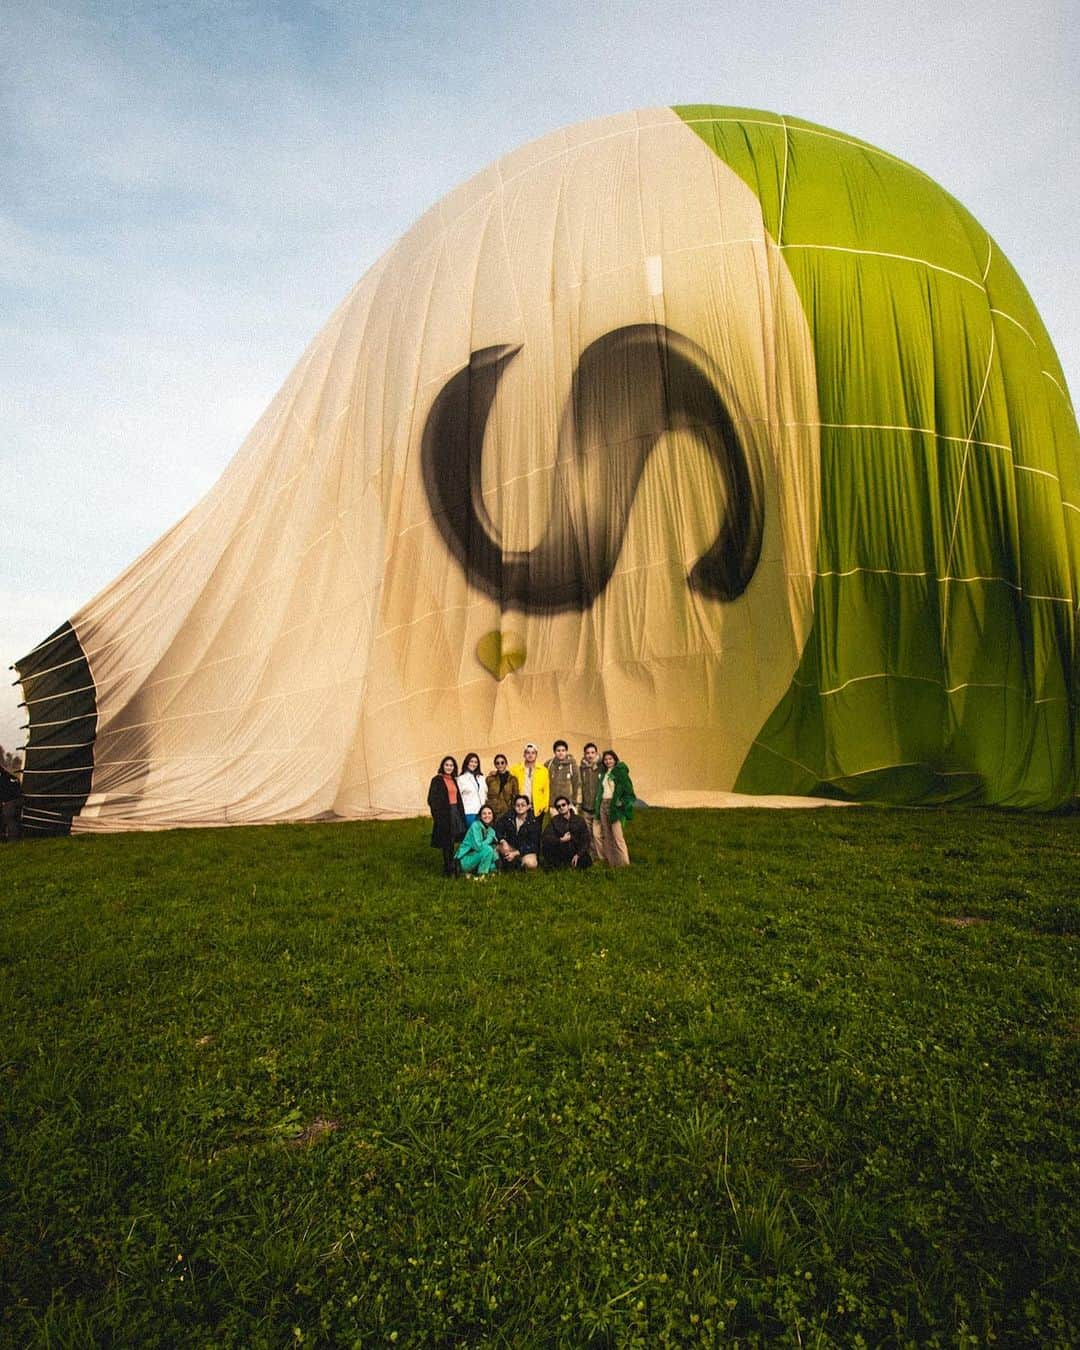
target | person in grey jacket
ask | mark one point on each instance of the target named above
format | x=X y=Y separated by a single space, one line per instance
x=589 y=771
x=563 y=773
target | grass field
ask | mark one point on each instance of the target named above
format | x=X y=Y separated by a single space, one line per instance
x=796 y=1078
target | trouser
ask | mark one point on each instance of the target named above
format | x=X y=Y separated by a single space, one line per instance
x=562 y=855
x=480 y=860
x=612 y=844
x=595 y=842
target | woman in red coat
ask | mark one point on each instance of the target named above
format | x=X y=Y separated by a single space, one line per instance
x=448 y=819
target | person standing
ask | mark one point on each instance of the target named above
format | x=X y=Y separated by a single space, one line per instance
x=518 y=834
x=447 y=817
x=589 y=771
x=533 y=781
x=10 y=806
x=614 y=804
x=502 y=788
x=563 y=773
x=472 y=787
x=566 y=842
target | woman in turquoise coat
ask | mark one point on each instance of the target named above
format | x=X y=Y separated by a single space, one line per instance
x=476 y=852
x=614 y=804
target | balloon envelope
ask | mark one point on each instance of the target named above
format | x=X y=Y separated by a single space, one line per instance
x=707 y=433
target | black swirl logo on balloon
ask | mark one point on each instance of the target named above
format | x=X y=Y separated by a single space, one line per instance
x=631 y=386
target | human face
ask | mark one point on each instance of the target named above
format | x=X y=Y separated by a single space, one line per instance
x=590 y=754
x=521 y=806
x=561 y=753
x=500 y=763
x=530 y=756
x=487 y=815
x=447 y=765
x=563 y=807
x=609 y=760
x=472 y=764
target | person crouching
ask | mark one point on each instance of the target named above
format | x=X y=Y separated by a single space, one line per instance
x=476 y=854
x=518 y=834
x=567 y=840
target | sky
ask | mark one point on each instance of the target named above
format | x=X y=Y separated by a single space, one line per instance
x=189 y=187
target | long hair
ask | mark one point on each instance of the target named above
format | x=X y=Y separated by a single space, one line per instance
x=453 y=761
x=612 y=753
x=465 y=763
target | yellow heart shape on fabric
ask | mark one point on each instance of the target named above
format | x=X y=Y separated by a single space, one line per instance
x=501 y=653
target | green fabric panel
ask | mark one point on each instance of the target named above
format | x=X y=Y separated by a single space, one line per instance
x=942 y=663
x=867 y=481
x=1008 y=295
x=881 y=365
x=846 y=197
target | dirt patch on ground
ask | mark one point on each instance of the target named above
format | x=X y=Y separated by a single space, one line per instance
x=312 y=1133
x=963 y=920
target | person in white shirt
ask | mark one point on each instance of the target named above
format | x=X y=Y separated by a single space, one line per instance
x=473 y=787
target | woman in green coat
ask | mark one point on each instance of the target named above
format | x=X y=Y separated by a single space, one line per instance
x=614 y=804
x=476 y=852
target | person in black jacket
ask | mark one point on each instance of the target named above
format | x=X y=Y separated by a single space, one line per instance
x=518 y=835
x=447 y=816
x=10 y=805
x=567 y=840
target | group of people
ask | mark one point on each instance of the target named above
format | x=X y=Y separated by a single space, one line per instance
x=566 y=812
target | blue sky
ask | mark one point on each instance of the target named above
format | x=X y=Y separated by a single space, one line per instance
x=189 y=188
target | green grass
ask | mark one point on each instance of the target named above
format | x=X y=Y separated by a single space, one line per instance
x=287 y=1085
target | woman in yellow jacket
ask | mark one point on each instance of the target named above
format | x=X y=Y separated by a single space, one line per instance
x=533 y=780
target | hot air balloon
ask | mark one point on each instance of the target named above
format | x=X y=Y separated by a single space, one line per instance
x=710 y=433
